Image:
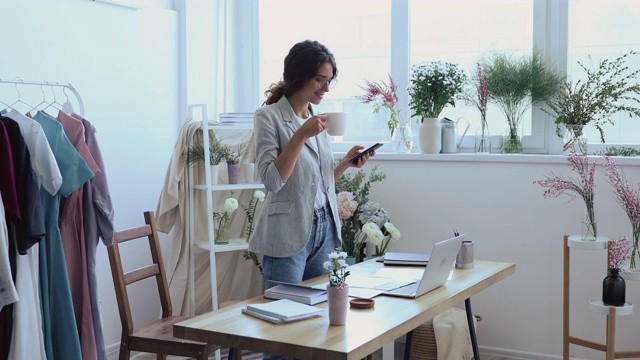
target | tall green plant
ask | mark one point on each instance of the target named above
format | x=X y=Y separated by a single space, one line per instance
x=516 y=83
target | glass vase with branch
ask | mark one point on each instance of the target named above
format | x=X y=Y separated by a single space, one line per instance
x=610 y=87
x=629 y=199
x=384 y=95
x=476 y=93
x=584 y=187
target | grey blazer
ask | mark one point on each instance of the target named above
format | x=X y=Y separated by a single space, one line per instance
x=283 y=226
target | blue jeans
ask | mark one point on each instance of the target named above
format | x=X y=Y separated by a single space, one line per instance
x=309 y=262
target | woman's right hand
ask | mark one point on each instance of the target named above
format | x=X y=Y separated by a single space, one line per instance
x=313 y=126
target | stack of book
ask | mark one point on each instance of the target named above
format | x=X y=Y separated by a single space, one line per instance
x=298 y=293
x=282 y=311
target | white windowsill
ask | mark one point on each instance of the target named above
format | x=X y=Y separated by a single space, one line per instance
x=493 y=158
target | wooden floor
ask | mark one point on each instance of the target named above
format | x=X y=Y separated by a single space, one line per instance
x=255 y=356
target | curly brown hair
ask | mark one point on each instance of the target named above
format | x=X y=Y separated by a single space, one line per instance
x=300 y=65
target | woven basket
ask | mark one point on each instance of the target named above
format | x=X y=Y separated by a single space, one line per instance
x=423 y=342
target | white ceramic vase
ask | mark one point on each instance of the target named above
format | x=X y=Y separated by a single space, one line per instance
x=215 y=171
x=430 y=136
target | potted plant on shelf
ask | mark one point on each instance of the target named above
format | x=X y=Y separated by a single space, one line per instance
x=384 y=96
x=609 y=88
x=217 y=154
x=434 y=85
x=233 y=155
x=516 y=83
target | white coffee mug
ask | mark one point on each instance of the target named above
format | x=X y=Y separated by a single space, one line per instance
x=336 y=123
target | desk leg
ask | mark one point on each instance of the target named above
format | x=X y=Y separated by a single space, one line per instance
x=388 y=351
x=407 y=345
x=472 y=329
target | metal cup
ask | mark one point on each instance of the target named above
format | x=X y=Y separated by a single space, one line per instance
x=464 y=260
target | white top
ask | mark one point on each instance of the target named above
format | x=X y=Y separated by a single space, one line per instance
x=43 y=161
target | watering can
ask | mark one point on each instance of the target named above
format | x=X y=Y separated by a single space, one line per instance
x=450 y=140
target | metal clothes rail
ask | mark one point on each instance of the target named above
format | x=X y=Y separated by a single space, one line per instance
x=52 y=84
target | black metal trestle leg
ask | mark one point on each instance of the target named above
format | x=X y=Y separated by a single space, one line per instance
x=472 y=329
x=407 y=346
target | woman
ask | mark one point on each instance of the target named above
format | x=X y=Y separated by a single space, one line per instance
x=298 y=225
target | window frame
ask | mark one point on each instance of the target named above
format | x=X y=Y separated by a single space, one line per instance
x=550 y=33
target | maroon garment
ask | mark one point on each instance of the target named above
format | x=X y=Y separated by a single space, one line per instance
x=7 y=176
x=73 y=239
x=30 y=229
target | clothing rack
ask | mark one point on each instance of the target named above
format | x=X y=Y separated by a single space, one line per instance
x=52 y=84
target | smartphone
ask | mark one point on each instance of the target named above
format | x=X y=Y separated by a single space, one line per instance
x=366 y=151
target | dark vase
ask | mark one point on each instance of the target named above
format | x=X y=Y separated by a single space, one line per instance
x=613 y=289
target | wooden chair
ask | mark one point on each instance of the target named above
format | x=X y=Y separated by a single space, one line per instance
x=156 y=337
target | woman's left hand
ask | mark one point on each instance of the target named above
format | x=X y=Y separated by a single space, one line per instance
x=355 y=151
x=345 y=163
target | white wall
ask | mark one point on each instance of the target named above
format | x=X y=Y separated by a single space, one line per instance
x=497 y=205
x=124 y=64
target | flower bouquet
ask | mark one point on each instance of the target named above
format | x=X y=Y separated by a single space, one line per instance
x=613 y=286
x=619 y=253
x=584 y=188
x=384 y=96
x=353 y=190
x=629 y=199
x=337 y=266
x=434 y=85
x=230 y=205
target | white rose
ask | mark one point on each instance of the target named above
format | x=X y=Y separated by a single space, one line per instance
x=259 y=195
x=231 y=204
x=376 y=237
x=395 y=234
x=370 y=227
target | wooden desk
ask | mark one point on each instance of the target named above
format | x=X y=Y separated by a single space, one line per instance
x=365 y=330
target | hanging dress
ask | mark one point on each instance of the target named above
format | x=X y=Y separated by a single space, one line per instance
x=27 y=341
x=72 y=229
x=98 y=223
x=59 y=324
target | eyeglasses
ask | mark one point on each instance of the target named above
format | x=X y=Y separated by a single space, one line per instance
x=322 y=81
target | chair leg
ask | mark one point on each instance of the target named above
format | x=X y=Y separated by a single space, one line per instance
x=125 y=354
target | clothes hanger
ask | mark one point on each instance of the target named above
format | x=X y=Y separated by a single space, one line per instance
x=67 y=106
x=54 y=104
x=44 y=99
x=19 y=101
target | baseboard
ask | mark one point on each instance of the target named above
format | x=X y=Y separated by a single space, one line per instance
x=112 y=349
x=515 y=354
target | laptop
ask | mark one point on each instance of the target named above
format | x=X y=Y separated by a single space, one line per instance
x=443 y=257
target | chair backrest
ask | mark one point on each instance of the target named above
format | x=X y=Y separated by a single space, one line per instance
x=155 y=269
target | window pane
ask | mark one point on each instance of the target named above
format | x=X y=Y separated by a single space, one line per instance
x=461 y=31
x=618 y=26
x=357 y=32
